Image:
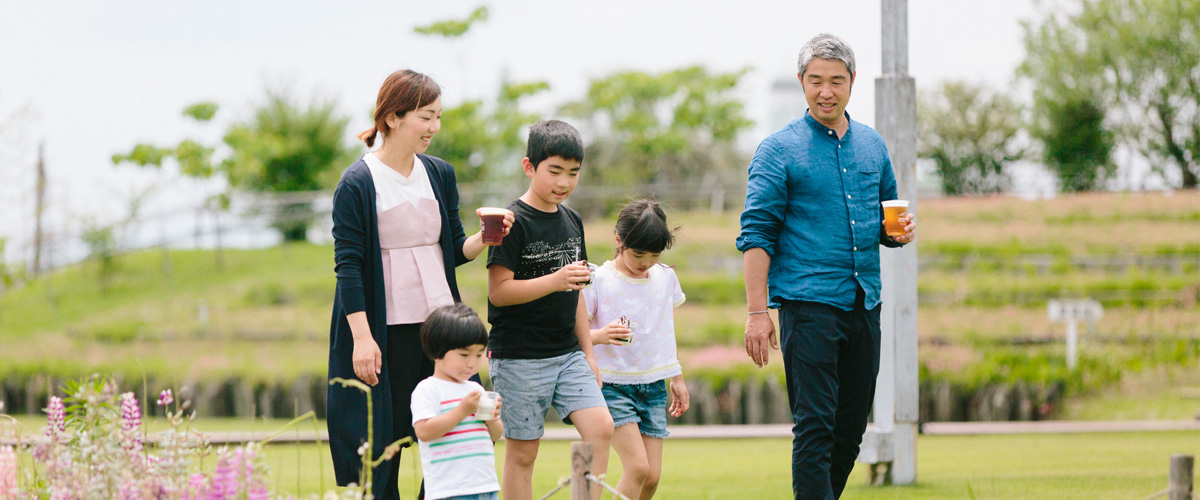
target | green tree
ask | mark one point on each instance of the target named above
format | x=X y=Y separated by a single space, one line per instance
x=476 y=140
x=288 y=148
x=661 y=128
x=454 y=28
x=194 y=159
x=1139 y=60
x=1075 y=144
x=970 y=131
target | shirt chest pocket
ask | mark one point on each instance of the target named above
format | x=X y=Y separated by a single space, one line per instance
x=868 y=183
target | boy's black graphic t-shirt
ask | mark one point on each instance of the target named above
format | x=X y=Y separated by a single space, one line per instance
x=538 y=244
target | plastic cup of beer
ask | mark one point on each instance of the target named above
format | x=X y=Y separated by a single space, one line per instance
x=487 y=405
x=493 y=225
x=892 y=210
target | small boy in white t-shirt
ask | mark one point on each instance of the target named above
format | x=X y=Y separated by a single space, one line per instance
x=455 y=430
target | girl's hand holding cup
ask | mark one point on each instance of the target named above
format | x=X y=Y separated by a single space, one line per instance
x=614 y=333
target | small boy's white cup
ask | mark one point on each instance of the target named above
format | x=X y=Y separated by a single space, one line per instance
x=487 y=405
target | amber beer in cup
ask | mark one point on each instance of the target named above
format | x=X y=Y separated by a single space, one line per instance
x=892 y=210
x=493 y=225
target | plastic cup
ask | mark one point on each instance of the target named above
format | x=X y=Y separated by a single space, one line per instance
x=628 y=323
x=493 y=225
x=487 y=405
x=591 y=273
x=892 y=210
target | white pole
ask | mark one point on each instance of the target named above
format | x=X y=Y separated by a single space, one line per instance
x=896 y=121
x=1072 y=343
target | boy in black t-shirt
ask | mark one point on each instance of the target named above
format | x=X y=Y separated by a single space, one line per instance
x=540 y=349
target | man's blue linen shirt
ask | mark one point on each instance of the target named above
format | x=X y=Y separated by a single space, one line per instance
x=813 y=204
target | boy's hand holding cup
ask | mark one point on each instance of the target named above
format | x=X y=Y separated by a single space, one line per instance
x=574 y=276
x=470 y=403
x=489 y=406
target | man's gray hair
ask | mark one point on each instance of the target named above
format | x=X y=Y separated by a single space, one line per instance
x=826 y=46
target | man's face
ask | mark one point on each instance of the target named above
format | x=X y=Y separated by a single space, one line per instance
x=827 y=86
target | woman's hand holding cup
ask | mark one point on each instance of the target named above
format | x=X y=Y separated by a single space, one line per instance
x=494 y=224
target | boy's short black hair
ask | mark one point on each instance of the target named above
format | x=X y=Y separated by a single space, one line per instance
x=553 y=138
x=452 y=327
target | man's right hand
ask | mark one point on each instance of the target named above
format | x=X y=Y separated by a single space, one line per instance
x=368 y=361
x=760 y=332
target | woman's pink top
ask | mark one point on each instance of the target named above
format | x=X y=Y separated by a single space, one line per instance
x=410 y=223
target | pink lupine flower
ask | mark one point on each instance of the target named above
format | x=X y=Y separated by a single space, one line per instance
x=129 y=490
x=8 y=472
x=197 y=487
x=257 y=492
x=165 y=398
x=131 y=423
x=56 y=417
x=225 y=478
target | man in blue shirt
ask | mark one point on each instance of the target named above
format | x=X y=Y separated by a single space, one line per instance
x=810 y=239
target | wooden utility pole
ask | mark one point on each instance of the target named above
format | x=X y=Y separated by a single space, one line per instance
x=39 y=208
x=896 y=401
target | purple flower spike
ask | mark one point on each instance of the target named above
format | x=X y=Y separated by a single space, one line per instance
x=8 y=471
x=56 y=417
x=131 y=423
x=165 y=398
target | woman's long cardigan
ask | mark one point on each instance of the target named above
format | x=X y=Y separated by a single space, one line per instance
x=359 y=265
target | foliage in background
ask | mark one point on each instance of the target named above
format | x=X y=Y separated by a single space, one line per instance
x=1140 y=61
x=1075 y=144
x=288 y=147
x=486 y=142
x=659 y=128
x=454 y=28
x=970 y=131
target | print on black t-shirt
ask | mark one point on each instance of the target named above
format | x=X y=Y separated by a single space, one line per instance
x=540 y=258
x=538 y=244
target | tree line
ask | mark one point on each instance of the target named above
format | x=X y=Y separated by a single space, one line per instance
x=1103 y=73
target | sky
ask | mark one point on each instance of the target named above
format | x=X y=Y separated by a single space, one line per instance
x=90 y=79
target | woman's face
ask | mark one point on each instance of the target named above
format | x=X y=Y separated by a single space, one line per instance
x=416 y=129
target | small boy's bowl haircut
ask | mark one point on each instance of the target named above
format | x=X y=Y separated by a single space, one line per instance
x=553 y=138
x=452 y=327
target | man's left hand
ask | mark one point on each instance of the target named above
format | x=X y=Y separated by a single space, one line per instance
x=910 y=229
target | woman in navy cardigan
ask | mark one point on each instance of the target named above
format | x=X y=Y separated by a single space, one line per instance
x=384 y=212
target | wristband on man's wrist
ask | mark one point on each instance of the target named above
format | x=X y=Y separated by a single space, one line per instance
x=764 y=311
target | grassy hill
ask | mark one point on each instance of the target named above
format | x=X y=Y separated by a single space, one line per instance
x=988 y=266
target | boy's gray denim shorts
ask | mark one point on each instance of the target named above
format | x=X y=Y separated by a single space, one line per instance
x=528 y=387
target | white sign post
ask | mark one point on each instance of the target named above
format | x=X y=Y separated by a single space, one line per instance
x=1071 y=311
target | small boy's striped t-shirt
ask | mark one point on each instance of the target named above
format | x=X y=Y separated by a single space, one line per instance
x=463 y=461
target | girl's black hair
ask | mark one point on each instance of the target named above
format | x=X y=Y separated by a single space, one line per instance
x=642 y=226
x=452 y=327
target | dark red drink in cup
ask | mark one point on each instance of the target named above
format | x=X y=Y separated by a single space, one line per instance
x=493 y=225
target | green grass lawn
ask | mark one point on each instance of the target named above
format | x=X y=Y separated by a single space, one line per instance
x=1029 y=466
x=1041 y=466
